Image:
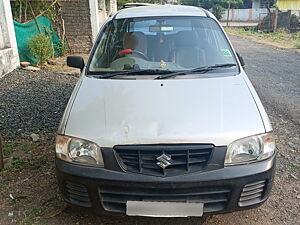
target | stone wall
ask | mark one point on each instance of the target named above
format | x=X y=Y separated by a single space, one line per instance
x=9 y=58
x=77 y=18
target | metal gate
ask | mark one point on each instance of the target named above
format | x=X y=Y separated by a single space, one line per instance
x=267 y=22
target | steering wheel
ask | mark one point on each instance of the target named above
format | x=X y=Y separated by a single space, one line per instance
x=140 y=54
x=130 y=51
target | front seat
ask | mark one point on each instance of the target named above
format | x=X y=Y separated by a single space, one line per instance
x=187 y=52
x=135 y=41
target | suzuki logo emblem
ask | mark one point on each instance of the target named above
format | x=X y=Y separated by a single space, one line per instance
x=163 y=161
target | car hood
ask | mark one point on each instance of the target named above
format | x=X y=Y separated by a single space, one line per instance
x=215 y=110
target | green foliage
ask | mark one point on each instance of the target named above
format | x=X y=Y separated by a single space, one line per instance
x=22 y=12
x=8 y=148
x=218 y=11
x=191 y=2
x=210 y=4
x=41 y=47
x=280 y=38
x=122 y=2
x=217 y=6
x=297 y=45
x=18 y=163
x=63 y=49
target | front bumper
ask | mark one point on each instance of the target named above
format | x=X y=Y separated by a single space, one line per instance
x=222 y=190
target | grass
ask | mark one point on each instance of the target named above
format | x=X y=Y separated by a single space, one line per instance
x=281 y=38
x=26 y=147
x=8 y=148
x=18 y=163
x=16 y=151
x=36 y=128
x=30 y=217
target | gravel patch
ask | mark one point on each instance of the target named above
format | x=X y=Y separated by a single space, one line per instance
x=33 y=102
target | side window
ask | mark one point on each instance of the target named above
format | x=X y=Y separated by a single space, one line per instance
x=101 y=46
x=100 y=58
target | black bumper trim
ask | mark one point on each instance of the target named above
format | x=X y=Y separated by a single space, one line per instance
x=231 y=179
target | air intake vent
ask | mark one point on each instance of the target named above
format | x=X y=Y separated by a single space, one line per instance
x=114 y=198
x=77 y=194
x=252 y=193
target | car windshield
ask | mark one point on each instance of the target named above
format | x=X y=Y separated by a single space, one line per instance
x=161 y=44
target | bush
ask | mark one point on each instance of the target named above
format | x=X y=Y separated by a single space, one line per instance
x=63 y=49
x=297 y=45
x=41 y=47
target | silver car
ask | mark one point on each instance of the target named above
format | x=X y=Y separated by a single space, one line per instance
x=164 y=121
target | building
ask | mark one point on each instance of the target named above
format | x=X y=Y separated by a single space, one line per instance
x=256 y=4
x=9 y=58
x=285 y=5
x=83 y=19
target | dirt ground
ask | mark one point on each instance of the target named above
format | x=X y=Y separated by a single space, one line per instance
x=28 y=188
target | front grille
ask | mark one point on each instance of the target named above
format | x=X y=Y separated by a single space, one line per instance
x=252 y=193
x=114 y=198
x=185 y=158
x=77 y=194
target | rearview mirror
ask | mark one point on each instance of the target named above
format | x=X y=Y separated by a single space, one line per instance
x=160 y=28
x=241 y=59
x=75 y=61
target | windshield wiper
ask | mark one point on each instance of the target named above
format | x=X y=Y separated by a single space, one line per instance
x=132 y=72
x=202 y=69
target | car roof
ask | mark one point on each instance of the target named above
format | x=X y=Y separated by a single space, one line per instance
x=161 y=10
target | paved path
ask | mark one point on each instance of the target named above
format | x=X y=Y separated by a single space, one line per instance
x=239 y=24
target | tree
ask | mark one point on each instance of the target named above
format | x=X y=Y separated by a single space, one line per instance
x=217 y=6
x=209 y=4
x=122 y=2
x=191 y=2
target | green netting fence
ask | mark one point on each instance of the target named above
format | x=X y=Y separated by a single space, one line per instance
x=25 y=31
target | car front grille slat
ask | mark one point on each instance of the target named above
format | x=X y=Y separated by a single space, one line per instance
x=115 y=191
x=114 y=198
x=255 y=191
x=77 y=194
x=252 y=193
x=185 y=158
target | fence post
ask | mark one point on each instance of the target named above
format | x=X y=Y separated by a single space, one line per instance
x=1 y=154
x=275 y=20
x=227 y=24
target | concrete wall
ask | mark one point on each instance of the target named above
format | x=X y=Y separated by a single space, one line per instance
x=102 y=11
x=249 y=15
x=9 y=58
x=112 y=7
x=295 y=12
x=106 y=10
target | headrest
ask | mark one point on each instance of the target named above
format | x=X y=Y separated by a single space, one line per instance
x=186 y=38
x=133 y=40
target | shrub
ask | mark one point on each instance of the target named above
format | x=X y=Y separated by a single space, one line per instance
x=41 y=47
x=297 y=45
x=63 y=49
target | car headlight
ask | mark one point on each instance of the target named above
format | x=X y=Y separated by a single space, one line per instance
x=250 y=149
x=78 y=151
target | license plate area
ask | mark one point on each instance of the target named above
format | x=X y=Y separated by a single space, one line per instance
x=163 y=209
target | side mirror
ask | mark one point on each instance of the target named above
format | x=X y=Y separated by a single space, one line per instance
x=75 y=61
x=241 y=59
